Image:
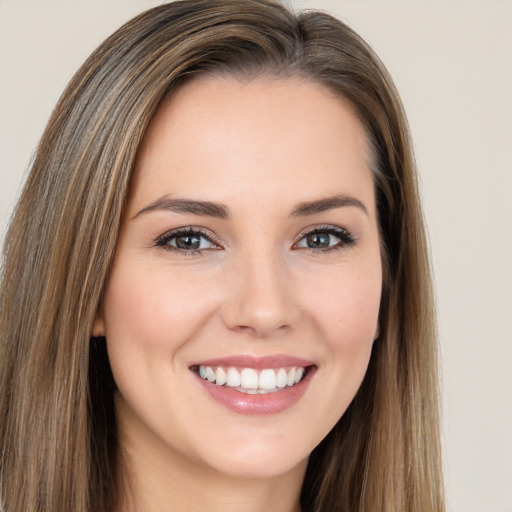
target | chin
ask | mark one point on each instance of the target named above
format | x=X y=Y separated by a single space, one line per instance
x=259 y=460
x=260 y=469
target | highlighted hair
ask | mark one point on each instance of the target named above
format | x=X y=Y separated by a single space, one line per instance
x=57 y=422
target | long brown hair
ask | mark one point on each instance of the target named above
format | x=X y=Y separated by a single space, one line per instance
x=57 y=428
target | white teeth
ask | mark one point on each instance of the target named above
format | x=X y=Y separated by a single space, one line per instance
x=290 y=381
x=281 y=378
x=252 y=382
x=210 y=374
x=220 y=377
x=267 y=379
x=249 y=378
x=233 y=378
x=256 y=391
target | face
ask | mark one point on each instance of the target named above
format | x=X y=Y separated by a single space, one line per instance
x=243 y=298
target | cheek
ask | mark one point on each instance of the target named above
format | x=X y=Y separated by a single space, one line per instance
x=150 y=310
x=346 y=315
x=347 y=308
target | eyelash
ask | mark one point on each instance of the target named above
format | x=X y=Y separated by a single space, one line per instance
x=345 y=237
x=163 y=240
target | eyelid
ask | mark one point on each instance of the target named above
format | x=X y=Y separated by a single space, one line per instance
x=162 y=240
x=345 y=236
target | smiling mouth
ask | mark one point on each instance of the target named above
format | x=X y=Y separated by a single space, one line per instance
x=250 y=380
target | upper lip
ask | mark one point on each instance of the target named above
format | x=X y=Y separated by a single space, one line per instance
x=256 y=362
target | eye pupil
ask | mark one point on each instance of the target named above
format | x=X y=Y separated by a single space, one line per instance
x=188 y=242
x=318 y=240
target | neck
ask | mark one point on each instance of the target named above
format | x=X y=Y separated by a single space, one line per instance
x=155 y=479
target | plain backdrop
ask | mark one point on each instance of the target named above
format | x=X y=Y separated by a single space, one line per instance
x=452 y=63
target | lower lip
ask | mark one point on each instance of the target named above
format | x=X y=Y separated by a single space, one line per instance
x=270 y=403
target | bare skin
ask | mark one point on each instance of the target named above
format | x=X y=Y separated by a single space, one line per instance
x=250 y=231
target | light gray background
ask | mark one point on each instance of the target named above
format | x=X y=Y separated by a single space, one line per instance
x=452 y=62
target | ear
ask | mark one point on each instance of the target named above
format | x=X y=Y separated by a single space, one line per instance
x=98 y=327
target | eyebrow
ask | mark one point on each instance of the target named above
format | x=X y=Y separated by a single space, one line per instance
x=205 y=208
x=328 y=203
x=220 y=211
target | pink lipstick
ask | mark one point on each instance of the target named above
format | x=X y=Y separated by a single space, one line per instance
x=255 y=385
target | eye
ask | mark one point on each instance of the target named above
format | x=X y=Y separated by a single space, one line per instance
x=325 y=238
x=187 y=241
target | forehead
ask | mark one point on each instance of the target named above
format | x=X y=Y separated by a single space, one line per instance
x=275 y=138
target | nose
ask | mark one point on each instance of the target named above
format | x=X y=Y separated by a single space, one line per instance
x=262 y=300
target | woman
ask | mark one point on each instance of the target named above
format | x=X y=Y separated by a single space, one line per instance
x=216 y=291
